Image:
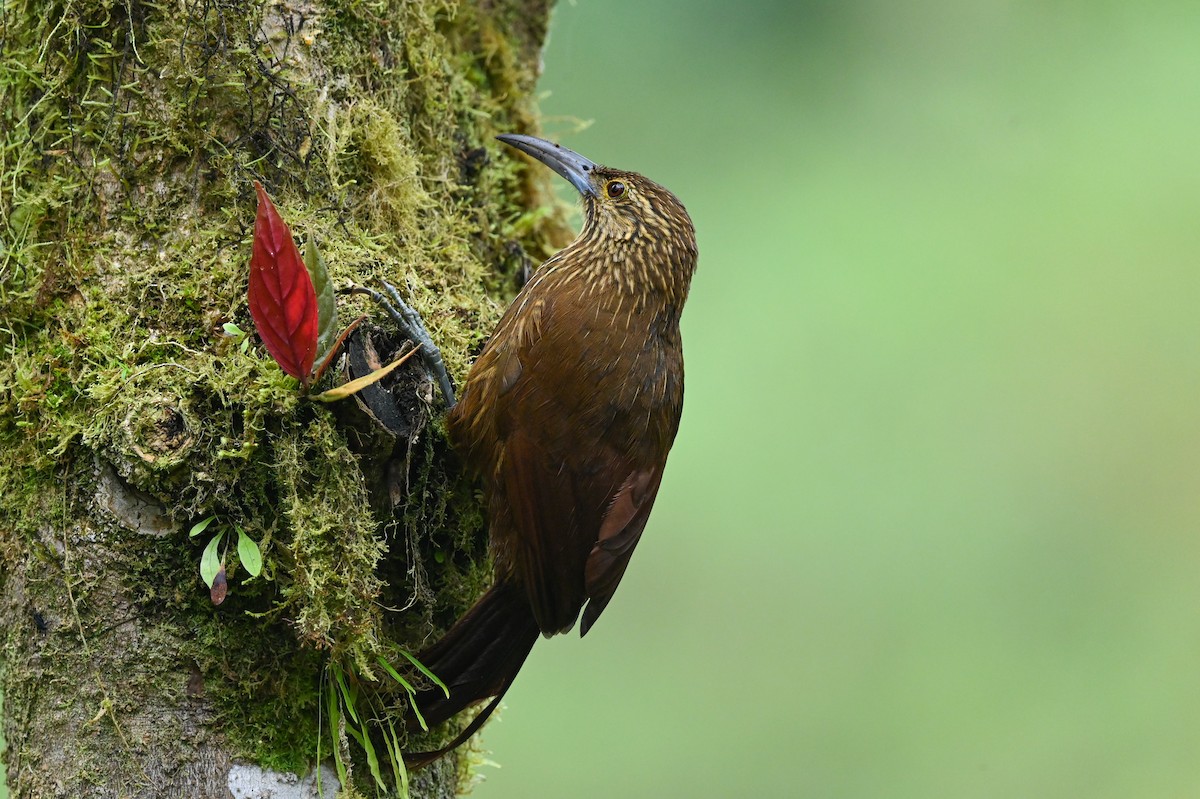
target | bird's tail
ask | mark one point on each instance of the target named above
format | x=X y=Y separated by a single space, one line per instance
x=478 y=658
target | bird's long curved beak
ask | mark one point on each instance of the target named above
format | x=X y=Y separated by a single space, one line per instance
x=568 y=163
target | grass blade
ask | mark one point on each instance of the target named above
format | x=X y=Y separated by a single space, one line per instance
x=348 y=696
x=331 y=703
x=395 y=675
x=363 y=738
x=399 y=772
x=421 y=668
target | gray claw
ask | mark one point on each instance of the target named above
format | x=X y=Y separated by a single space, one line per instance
x=411 y=325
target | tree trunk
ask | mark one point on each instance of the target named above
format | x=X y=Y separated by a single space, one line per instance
x=132 y=133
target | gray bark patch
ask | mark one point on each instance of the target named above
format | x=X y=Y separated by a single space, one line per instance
x=134 y=509
x=252 y=782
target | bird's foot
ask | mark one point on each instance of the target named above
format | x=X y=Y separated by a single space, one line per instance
x=411 y=325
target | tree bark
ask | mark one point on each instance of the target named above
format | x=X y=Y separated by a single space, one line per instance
x=132 y=131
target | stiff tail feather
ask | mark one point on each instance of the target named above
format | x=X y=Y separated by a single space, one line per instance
x=478 y=658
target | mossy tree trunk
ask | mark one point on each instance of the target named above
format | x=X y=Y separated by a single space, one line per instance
x=132 y=131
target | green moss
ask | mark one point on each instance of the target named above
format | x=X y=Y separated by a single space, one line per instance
x=334 y=544
x=131 y=134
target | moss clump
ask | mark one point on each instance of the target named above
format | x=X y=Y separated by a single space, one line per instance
x=334 y=543
x=130 y=134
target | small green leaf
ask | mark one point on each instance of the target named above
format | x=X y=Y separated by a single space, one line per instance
x=200 y=527
x=249 y=553
x=232 y=330
x=210 y=561
x=326 y=302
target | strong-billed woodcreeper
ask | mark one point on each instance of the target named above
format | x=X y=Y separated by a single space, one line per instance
x=567 y=417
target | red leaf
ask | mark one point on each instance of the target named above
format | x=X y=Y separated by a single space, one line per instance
x=283 y=302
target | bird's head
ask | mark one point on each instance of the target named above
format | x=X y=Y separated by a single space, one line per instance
x=619 y=207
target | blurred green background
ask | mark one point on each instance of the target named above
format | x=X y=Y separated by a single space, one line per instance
x=931 y=527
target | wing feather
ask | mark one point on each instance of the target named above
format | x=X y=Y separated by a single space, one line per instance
x=619 y=534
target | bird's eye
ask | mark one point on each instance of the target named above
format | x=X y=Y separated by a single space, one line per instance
x=616 y=189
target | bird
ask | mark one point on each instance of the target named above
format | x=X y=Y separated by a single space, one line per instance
x=566 y=417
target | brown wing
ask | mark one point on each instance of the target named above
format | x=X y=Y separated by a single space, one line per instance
x=619 y=533
x=557 y=476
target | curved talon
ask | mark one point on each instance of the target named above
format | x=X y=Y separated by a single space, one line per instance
x=411 y=325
